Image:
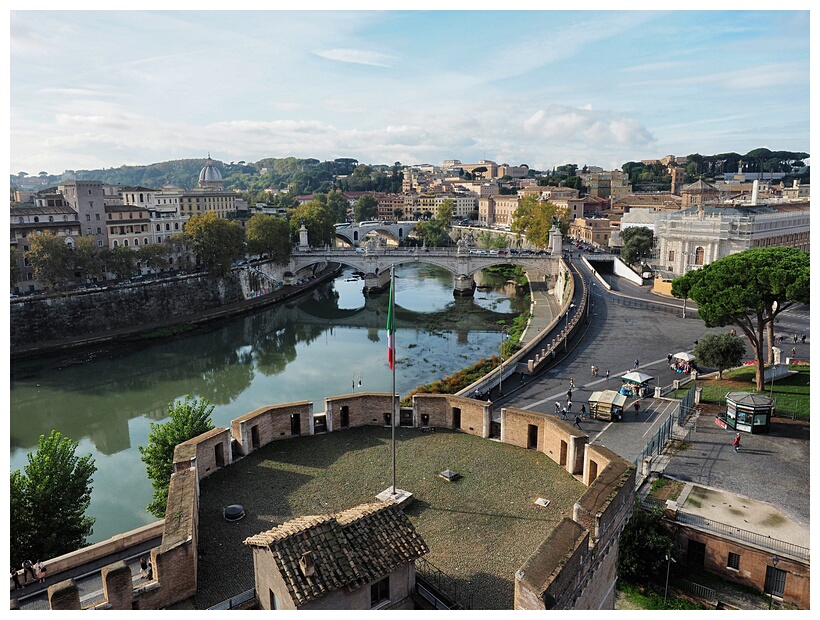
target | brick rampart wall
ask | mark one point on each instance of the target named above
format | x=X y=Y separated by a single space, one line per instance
x=272 y=423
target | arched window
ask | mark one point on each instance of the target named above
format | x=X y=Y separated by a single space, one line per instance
x=159 y=227
x=167 y=226
x=136 y=241
x=125 y=243
x=141 y=198
x=145 y=241
x=698 y=256
x=36 y=219
x=116 y=245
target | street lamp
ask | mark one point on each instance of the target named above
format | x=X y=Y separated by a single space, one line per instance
x=669 y=559
x=504 y=330
x=775 y=560
x=356 y=376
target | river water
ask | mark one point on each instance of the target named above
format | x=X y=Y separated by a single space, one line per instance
x=305 y=349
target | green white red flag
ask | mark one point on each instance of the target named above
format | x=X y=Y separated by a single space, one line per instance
x=391 y=345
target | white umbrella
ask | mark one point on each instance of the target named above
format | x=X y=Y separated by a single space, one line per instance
x=636 y=377
x=683 y=355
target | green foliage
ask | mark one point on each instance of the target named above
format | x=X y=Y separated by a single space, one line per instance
x=457 y=381
x=50 y=257
x=444 y=213
x=433 y=233
x=14 y=273
x=720 y=351
x=367 y=208
x=643 y=546
x=189 y=418
x=536 y=217
x=338 y=205
x=637 y=244
x=318 y=220
x=216 y=241
x=269 y=235
x=727 y=294
x=153 y=256
x=645 y=598
x=120 y=261
x=49 y=499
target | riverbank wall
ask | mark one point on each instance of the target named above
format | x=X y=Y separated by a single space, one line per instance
x=58 y=322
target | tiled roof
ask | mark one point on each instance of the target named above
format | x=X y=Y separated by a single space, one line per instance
x=349 y=549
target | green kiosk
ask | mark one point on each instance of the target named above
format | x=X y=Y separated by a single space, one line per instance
x=747 y=412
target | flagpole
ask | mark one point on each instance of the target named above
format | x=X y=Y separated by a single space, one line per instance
x=393 y=392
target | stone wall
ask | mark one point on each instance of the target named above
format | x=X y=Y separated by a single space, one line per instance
x=266 y=424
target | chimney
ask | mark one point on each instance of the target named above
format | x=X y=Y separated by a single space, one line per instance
x=306 y=564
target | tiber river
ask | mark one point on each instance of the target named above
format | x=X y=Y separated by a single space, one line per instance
x=305 y=349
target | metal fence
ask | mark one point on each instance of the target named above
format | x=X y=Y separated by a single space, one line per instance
x=691 y=313
x=786 y=548
x=439 y=588
x=696 y=590
x=234 y=601
x=657 y=442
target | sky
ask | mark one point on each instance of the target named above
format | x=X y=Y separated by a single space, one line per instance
x=105 y=88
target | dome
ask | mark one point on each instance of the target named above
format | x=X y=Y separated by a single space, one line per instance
x=209 y=172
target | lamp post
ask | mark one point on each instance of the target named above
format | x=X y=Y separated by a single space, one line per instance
x=775 y=560
x=356 y=376
x=504 y=330
x=669 y=560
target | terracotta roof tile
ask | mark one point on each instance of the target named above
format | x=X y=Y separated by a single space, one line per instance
x=349 y=549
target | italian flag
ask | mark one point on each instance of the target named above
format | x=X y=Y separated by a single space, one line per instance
x=391 y=345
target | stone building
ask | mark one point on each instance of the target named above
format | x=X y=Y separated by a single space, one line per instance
x=362 y=558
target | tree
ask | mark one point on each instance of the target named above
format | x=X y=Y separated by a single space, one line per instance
x=49 y=255
x=637 y=244
x=88 y=259
x=153 y=256
x=216 y=241
x=14 y=273
x=535 y=218
x=444 y=213
x=643 y=546
x=269 y=235
x=49 y=499
x=318 y=220
x=720 y=351
x=367 y=208
x=120 y=261
x=337 y=204
x=189 y=419
x=749 y=289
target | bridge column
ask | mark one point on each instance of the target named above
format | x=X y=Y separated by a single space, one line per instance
x=465 y=286
x=375 y=283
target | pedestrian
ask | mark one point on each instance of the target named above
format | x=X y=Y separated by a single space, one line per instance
x=569 y=405
x=794 y=352
x=592 y=370
x=557 y=407
x=577 y=422
x=569 y=394
x=668 y=358
x=803 y=338
x=150 y=573
x=522 y=378
x=636 y=363
x=28 y=567
x=564 y=413
x=143 y=567
x=794 y=338
x=736 y=443
x=595 y=371
x=637 y=406
x=40 y=570
x=16 y=579
x=572 y=381
x=607 y=374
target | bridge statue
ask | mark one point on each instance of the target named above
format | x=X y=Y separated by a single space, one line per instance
x=462 y=246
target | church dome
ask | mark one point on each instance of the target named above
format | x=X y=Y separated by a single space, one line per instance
x=210 y=172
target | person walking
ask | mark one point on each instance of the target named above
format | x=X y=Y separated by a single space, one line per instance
x=592 y=370
x=564 y=413
x=557 y=407
x=794 y=338
x=577 y=422
x=150 y=573
x=16 y=579
x=143 y=567
x=595 y=371
x=668 y=358
x=803 y=338
x=636 y=363
x=637 y=407
x=571 y=383
x=794 y=352
x=569 y=394
x=584 y=411
x=736 y=443
x=607 y=374
x=569 y=406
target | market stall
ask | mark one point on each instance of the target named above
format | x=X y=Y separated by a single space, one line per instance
x=635 y=384
x=607 y=405
x=683 y=362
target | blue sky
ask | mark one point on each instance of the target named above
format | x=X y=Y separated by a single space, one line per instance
x=93 y=89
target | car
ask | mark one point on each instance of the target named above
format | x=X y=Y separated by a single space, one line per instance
x=360 y=250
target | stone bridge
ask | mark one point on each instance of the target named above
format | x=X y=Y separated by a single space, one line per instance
x=375 y=263
x=355 y=235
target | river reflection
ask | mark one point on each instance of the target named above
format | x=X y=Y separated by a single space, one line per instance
x=305 y=349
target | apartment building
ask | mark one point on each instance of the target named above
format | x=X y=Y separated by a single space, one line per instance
x=87 y=198
x=129 y=226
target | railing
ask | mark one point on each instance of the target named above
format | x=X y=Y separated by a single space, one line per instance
x=657 y=307
x=696 y=590
x=234 y=601
x=439 y=588
x=736 y=533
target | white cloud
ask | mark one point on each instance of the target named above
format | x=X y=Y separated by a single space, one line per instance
x=587 y=126
x=360 y=57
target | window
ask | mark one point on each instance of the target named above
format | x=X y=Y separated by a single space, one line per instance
x=733 y=561
x=116 y=244
x=125 y=243
x=99 y=243
x=379 y=592
x=99 y=230
x=136 y=241
x=671 y=255
x=145 y=241
x=90 y=203
x=699 y=256
x=87 y=217
x=97 y=216
x=88 y=231
x=159 y=227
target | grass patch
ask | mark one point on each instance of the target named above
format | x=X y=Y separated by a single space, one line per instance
x=646 y=598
